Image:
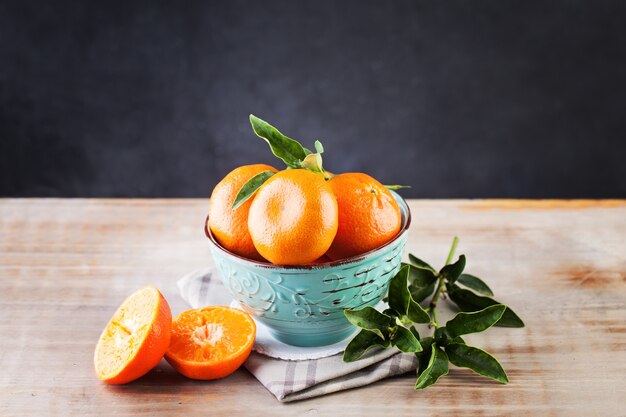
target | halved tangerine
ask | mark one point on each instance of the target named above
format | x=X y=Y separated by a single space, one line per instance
x=210 y=342
x=135 y=339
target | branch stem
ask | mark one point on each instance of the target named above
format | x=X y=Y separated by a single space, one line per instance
x=432 y=308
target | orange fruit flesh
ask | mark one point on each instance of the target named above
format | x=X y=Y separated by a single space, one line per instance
x=210 y=342
x=135 y=339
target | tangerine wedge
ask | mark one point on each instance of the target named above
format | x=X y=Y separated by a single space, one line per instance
x=210 y=342
x=135 y=339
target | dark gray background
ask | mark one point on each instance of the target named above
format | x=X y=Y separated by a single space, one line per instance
x=456 y=98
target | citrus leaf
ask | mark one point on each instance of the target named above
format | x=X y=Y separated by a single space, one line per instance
x=415 y=332
x=477 y=360
x=469 y=301
x=396 y=187
x=399 y=295
x=474 y=283
x=441 y=336
x=251 y=187
x=313 y=162
x=437 y=367
x=424 y=356
x=283 y=147
x=405 y=340
x=369 y=318
x=475 y=322
x=453 y=271
x=458 y=339
x=400 y=298
x=421 y=282
x=419 y=263
x=360 y=344
x=416 y=313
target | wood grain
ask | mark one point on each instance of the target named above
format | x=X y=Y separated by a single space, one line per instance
x=65 y=265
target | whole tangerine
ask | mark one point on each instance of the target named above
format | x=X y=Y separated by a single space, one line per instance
x=369 y=215
x=230 y=227
x=293 y=218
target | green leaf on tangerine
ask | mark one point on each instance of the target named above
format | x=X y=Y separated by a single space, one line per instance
x=251 y=187
x=283 y=147
x=396 y=187
x=313 y=162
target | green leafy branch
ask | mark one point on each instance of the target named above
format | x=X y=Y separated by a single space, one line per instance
x=394 y=327
x=291 y=152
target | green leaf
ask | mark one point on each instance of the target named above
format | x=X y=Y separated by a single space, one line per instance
x=396 y=187
x=251 y=187
x=419 y=263
x=453 y=271
x=319 y=147
x=361 y=343
x=415 y=332
x=474 y=283
x=285 y=148
x=421 y=282
x=477 y=360
x=469 y=301
x=405 y=340
x=442 y=337
x=400 y=298
x=424 y=356
x=313 y=162
x=399 y=295
x=478 y=321
x=457 y=339
x=437 y=367
x=416 y=313
x=369 y=318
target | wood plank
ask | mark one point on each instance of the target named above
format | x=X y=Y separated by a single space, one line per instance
x=65 y=265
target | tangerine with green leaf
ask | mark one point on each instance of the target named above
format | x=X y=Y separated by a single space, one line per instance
x=230 y=225
x=293 y=218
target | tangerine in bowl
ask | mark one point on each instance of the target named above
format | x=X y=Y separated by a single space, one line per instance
x=302 y=305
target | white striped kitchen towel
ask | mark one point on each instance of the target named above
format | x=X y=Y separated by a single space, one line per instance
x=292 y=380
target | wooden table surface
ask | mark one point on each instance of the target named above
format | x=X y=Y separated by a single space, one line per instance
x=65 y=265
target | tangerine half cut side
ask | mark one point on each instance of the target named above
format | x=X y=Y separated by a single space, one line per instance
x=210 y=342
x=135 y=339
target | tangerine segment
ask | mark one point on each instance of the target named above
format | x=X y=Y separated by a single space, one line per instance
x=135 y=339
x=293 y=218
x=210 y=342
x=369 y=216
x=230 y=227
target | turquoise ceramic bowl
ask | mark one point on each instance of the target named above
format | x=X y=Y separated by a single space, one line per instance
x=303 y=305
